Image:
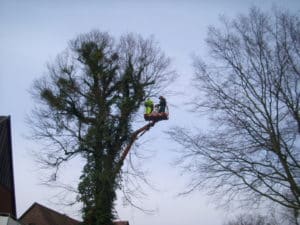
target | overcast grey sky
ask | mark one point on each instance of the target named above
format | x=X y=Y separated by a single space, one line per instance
x=33 y=32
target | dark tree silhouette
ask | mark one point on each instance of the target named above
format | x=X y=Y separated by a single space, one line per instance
x=252 y=95
x=87 y=103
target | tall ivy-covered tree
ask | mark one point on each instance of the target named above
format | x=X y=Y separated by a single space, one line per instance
x=87 y=103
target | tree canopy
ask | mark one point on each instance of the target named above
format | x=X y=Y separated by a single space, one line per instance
x=87 y=104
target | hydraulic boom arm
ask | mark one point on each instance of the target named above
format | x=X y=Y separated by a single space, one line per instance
x=133 y=138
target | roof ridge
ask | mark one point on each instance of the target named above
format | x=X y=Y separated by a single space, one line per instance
x=54 y=217
x=56 y=212
x=48 y=209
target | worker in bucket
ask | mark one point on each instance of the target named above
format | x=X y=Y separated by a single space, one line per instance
x=162 y=104
x=149 y=106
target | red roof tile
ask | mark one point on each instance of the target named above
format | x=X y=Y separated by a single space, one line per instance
x=121 y=223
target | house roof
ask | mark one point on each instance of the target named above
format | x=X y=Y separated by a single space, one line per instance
x=121 y=222
x=38 y=214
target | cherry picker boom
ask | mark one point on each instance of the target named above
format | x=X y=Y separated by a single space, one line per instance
x=134 y=137
x=138 y=133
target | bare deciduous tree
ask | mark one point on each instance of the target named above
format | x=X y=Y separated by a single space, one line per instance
x=251 y=92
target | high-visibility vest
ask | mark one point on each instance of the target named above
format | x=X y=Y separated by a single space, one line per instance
x=149 y=106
